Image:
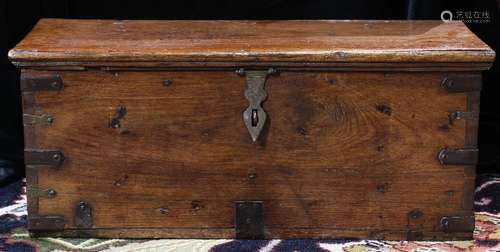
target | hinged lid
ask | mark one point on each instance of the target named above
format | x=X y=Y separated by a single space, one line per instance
x=59 y=42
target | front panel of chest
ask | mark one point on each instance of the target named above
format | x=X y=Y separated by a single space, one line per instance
x=324 y=154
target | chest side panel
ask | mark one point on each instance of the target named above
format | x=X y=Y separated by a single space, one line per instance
x=341 y=153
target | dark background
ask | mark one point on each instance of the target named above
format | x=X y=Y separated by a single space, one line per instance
x=17 y=17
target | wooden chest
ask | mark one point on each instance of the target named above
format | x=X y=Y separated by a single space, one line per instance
x=251 y=129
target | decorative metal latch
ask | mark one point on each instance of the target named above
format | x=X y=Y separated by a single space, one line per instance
x=255 y=116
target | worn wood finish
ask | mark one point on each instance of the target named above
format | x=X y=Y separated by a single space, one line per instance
x=149 y=120
x=331 y=157
x=56 y=41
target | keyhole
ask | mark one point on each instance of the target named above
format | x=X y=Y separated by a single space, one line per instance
x=255 y=117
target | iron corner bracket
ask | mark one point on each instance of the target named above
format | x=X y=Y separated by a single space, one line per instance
x=459 y=156
x=46 y=82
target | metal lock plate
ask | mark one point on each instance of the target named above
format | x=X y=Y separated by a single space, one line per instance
x=249 y=220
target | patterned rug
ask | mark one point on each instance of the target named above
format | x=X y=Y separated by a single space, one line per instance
x=14 y=236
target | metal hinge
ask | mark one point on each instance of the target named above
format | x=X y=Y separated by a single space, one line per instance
x=457 y=115
x=249 y=220
x=83 y=215
x=49 y=82
x=53 y=158
x=461 y=156
x=43 y=119
x=457 y=223
x=462 y=83
x=46 y=223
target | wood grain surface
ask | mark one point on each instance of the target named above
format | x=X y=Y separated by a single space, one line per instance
x=356 y=117
x=343 y=154
x=90 y=42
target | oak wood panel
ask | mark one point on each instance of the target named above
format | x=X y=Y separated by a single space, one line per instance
x=329 y=158
x=58 y=40
x=333 y=212
x=356 y=119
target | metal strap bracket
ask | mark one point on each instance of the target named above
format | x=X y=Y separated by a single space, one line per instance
x=46 y=223
x=83 y=215
x=41 y=192
x=43 y=119
x=53 y=158
x=460 y=156
x=467 y=115
x=462 y=83
x=457 y=223
x=48 y=82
